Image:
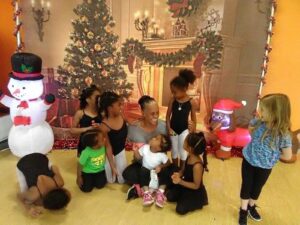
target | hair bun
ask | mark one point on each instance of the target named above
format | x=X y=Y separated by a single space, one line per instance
x=144 y=99
x=187 y=75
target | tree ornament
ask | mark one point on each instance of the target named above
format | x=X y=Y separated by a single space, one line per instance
x=104 y=73
x=71 y=69
x=86 y=60
x=88 y=80
x=110 y=61
x=97 y=47
x=90 y=35
x=83 y=19
x=69 y=80
x=75 y=92
x=78 y=44
x=108 y=29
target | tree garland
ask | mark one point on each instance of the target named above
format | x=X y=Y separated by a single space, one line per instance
x=207 y=43
x=182 y=8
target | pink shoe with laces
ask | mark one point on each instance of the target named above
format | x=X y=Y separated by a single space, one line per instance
x=147 y=198
x=160 y=199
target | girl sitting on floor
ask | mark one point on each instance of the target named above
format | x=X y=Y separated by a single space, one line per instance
x=189 y=191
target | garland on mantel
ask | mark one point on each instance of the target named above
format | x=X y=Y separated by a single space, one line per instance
x=207 y=46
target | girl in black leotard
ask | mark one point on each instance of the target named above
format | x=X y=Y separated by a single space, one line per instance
x=189 y=191
x=181 y=106
x=115 y=127
x=40 y=184
x=87 y=117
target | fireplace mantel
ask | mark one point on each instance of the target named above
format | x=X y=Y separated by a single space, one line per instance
x=180 y=43
x=168 y=44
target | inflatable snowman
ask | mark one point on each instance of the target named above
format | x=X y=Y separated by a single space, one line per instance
x=30 y=132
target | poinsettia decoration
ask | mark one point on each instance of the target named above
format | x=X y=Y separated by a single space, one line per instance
x=182 y=8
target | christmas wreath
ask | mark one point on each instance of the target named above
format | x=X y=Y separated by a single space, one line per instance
x=182 y=8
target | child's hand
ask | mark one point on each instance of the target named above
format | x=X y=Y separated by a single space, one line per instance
x=135 y=147
x=114 y=172
x=95 y=125
x=191 y=126
x=176 y=178
x=35 y=211
x=157 y=169
x=172 y=132
x=79 y=181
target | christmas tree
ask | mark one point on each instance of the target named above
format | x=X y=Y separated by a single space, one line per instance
x=92 y=57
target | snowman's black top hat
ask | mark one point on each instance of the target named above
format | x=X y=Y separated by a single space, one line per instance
x=26 y=66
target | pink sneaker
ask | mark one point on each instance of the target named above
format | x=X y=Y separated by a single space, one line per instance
x=147 y=198
x=160 y=199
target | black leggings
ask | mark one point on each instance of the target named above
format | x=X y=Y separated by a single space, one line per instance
x=253 y=180
x=132 y=175
x=91 y=180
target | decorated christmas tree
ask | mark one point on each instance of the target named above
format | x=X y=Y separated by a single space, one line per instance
x=92 y=57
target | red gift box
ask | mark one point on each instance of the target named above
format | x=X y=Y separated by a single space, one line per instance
x=68 y=106
x=66 y=121
x=52 y=113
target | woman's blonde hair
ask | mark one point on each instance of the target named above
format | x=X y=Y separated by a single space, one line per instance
x=278 y=110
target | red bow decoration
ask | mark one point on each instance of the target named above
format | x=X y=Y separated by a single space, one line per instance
x=176 y=7
x=23 y=104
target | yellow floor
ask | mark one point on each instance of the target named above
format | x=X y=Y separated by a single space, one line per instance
x=279 y=202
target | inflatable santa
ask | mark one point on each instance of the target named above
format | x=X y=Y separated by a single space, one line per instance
x=228 y=135
x=30 y=132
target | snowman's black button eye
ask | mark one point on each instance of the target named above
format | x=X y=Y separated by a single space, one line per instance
x=12 y=85
x=23 y=88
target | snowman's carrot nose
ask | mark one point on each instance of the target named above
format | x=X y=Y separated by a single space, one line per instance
x=17 y=91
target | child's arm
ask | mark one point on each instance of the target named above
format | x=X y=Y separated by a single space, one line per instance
x=252 y=124
x=286 y=154
x=168 y=117
x=27 y=199
x=57 y=176
x=109 y=151
x=193 y=115
x=137 y=154
x=161 y=166
x=197 y=174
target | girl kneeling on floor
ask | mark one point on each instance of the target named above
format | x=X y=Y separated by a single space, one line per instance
x=91 y=164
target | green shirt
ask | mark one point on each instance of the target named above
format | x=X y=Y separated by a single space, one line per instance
x=92 y=160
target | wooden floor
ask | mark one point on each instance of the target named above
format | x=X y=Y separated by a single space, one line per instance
x=279 y=202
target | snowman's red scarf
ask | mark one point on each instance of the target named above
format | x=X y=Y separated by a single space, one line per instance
x=23 y=120
x=24 y=104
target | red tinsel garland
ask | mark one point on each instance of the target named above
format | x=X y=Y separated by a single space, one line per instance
x=17 y=13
